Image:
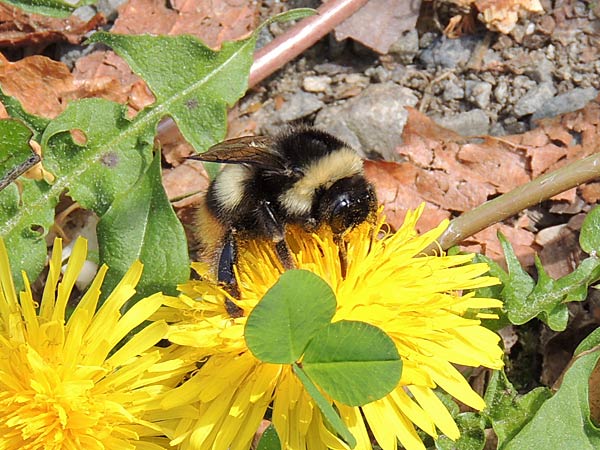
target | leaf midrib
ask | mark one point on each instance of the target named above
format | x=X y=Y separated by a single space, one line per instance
x=156 y=112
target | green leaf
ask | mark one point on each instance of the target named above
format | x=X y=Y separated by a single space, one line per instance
x=592 y=340
x=116 y=152
x=564 y=420
x=292 y=14
x=329 y=413
x=525 y=299
x=108 y=163
x=16 y=155
x=589 y=238
x=141 y=224
x=517 y=283
x=355 y=363
x=26 y=244
x=53 y=8
x=507 y=411
x=192 y=83
x=288 y=316
x=472 y=434
x=269 y=440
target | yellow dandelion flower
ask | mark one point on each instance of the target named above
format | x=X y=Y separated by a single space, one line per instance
x=388 y=283
x=65 y=383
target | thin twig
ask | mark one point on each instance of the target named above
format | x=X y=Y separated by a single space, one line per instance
x=511 y=203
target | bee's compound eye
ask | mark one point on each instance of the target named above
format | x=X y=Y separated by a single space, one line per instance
x=345 y=204
x=340 y=213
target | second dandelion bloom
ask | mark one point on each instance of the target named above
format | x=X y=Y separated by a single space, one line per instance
x=388 y=282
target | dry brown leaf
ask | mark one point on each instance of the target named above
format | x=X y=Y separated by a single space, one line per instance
x=560 y=252
x=39 y=83
x=106 y=75
x=18 y=27
x=395 y=184
x=453 y=174
x=486 y=242
x=184 y=182
x=591 y=192
x=500 y=15
x=379 y=23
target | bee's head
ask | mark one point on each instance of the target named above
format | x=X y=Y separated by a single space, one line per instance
x=346 y=204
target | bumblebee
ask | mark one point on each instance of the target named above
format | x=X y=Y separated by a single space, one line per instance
x=304 y=176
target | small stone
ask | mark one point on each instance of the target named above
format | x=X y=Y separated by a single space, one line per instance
x=449 y=53
x=316 y=83
x=374 y=119
x=549 y=234
x=542 y=69
x=109 y=8
x=356 y=78
x=534 y=99
x=501 y=92
x=478 y=93
x=378 y=74
x=452 y=91
x=407 y=47
x=299 y=105
x=470 y=123
x=546 y=24
x=569 y=101
x=329 y=69
x=85 y=13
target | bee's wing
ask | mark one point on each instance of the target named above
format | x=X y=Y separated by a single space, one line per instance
x=253 y=150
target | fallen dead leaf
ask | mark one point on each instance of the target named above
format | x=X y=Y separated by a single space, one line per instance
x=185 y=183
x=499 y=15
x=20 y=28
x=106 y=75
x=396 y=188
x=453 y=174
x=42 y=85
x=379 y=23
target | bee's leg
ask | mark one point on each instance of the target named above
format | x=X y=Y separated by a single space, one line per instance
x=276 y=229
x=227 y=259
x=226 y=274
x=285 y=255
x=343 y=254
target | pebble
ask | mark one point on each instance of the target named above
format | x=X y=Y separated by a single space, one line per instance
x=501 y=92
x=378 y=74
x=542 y=68
x=407 y=47
x=109 y=8
x=329 y=68
x=534 y=99
x=469 y=123
x=299 y=105
x=449 y=53
x=569 y=101
x=356 y=78
x=478 y=93
x=372 y=122
x=316 y=83
x=453 y=91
